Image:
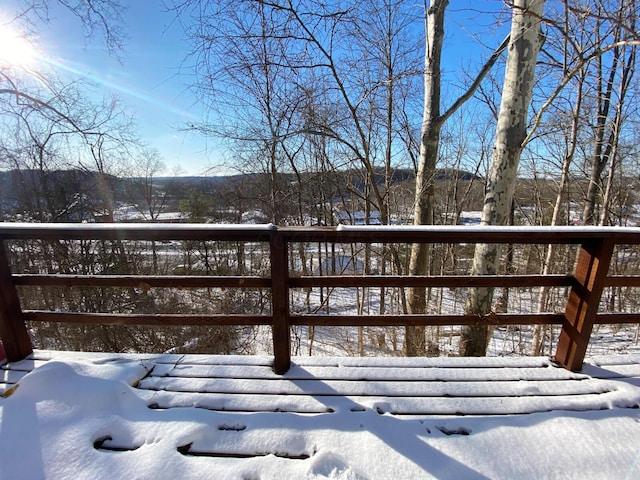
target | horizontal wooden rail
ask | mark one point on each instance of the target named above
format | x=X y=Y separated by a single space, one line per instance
x=160 y=319
x=342 y=281
x=445 y=281
x=615 y=318
x=461 y=235
x=134 y=231
x=591 y=276
x=622 y=281
x=428 y=319
x=341 y=234
x=142 y=281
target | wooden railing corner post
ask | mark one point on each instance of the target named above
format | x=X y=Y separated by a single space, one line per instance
x=592 y=268
x=13 y=330
x=280 y=302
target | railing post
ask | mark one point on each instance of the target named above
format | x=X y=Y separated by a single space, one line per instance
x=592 y=267
x=13 y=331
x=280 y=302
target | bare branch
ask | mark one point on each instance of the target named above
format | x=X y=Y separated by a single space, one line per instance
x=42 y=104
x=568 y=77
x=486 y=68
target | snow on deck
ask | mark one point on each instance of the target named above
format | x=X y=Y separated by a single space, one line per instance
x=67 y=414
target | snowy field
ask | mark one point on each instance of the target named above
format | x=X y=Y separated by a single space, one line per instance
x=512 y=340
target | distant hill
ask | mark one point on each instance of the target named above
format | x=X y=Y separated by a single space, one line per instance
x=398 y=175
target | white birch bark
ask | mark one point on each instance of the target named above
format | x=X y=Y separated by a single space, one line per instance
x=524 y=45
x=429 y=142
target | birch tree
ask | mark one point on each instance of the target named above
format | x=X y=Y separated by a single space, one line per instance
x=524 y=45
x=432 y=122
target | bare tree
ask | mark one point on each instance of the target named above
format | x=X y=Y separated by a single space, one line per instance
x=609 y=106
x=524 y=45
x=33 y=97
x=587 y=42
x=102 y=18
x=432 y=122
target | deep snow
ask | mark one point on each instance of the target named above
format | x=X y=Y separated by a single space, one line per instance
x=50 y=424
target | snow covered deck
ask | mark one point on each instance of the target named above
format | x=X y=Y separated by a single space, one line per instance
x=69 y=414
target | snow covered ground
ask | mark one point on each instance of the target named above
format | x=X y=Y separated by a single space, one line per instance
x=77 y=416
x=388 y=341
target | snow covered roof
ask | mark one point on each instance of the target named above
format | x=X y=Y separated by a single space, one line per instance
x=76 y=415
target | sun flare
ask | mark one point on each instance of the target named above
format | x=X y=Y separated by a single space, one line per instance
x=15 y=49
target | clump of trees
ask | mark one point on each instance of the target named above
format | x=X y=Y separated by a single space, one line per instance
x=301 y=87
x=330 y=101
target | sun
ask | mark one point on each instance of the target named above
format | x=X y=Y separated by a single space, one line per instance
x=15 y=49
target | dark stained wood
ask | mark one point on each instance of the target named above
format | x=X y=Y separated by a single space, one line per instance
x=428 y=319
x=135 y=231
x=460 y=234
x=13 y=331
x=582 y=306
x=447 y=281
x=617 y=318
x=622 y=281
x=280 y=304
x=581 y=311
x=342 y=234
x=142 y=281
x=204 y=281
x=144 y=319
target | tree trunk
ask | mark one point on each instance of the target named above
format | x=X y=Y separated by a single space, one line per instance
x=601 y=153
x=430 y=137
x=524 y=45
x=616 y=129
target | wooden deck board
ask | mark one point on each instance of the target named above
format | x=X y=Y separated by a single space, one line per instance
x=416 y=406
x=11 y=376
x=369 y=373
x=377 y=388
x=613 y=371
x=397 y=386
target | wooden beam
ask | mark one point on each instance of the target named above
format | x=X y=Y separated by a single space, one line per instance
x=623 y=281
x=446 y=281
x=428 y=319
x=280 y=303
x=142 y=281
x=617 y=318
x=135 y=231
x=342 y=234
x=158 y=319
x=13 y=330
x=592 y=267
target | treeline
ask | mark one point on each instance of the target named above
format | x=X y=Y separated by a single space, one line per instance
x=76 y=195
x=321 y=103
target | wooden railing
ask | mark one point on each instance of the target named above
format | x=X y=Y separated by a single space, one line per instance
x=591 y=276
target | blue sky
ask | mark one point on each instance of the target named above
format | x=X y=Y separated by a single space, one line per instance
x=149 y=79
